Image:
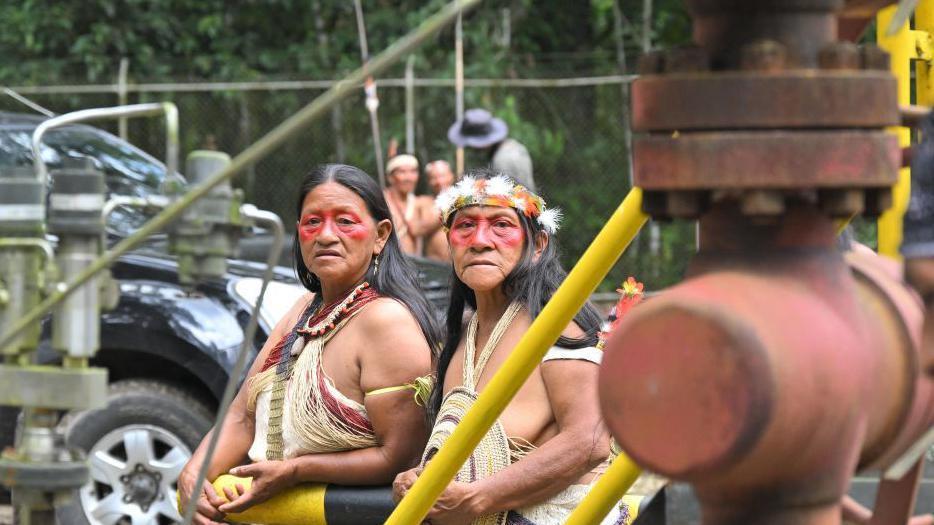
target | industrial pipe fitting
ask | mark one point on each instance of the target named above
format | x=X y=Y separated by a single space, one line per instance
x=770 y=375
x=77 y=198
x=208 y=232
x=25 y=255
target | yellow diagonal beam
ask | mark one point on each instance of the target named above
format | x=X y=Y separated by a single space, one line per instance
x=606 y=492
x=592 y=267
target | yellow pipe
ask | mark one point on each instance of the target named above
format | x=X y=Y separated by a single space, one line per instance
x=606 y=492
x=902 y=48
x=592 y=267
x=302 y=504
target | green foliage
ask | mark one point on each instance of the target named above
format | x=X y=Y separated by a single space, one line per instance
x=575 y=135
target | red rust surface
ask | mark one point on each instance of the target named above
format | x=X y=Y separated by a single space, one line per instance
x=770 y=374
x=766 y=160
x=746 y=100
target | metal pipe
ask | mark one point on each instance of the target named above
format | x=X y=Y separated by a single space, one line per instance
x=606 y=492
x=592 y=267
x=153 y=201
x=122 y=95
x=459 y=87
x=41 y=244
x=28 y=103
x=280 y=85
x=372 y=100
x=85 y=115
x=901 y=46
x=265 y=145
x=274 y=223
x=410 y=105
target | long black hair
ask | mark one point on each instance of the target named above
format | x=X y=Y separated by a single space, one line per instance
x=396 y=277
x=532 y=282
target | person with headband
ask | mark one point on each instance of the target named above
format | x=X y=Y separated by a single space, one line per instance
x=410 y=217
x=538 y=461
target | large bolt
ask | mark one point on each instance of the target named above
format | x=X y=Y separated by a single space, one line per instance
x=684 y=204
x=763 y=55
x=686 y=60
x=874 y=57
x=843 y=203
x=839 y=55
x=762 y=203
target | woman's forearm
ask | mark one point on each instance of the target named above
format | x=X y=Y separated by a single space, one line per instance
x=365 y=466
x=232 y=447
x=541 y=474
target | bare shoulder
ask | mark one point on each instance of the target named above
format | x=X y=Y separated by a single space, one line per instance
x=391 y=330
x=387 y=314
x=391 y=326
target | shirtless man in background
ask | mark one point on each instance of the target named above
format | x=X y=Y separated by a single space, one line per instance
x=409 y=216
x=440 y=177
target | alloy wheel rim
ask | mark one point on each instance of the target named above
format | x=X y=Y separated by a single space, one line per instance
x=133 y=474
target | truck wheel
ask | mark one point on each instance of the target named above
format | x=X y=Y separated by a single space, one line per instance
x=137 y=445
x=8 y=417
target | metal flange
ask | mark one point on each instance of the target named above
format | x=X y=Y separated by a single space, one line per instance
x=751 y=100
x=44 y=476
x=766 y=160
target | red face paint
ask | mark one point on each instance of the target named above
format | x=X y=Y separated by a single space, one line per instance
x=337 y=222
x=469 y=231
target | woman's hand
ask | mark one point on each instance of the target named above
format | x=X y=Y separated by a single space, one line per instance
x=403 y=482
x=459 y=504
x=269 y=478
x=206 y=511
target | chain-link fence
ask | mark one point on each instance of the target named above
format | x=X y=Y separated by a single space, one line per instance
x=573 y=129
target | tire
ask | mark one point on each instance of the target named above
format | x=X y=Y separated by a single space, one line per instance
x=137 y=445
x=8 y=418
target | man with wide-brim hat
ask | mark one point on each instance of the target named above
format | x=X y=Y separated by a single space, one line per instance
x=480 y=130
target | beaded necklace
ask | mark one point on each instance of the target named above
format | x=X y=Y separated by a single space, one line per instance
x=327 y=318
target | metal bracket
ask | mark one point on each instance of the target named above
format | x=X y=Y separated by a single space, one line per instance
x=53 y=387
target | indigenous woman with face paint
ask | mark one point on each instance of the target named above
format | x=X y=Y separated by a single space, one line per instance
x=539 y=459
x=338 y=393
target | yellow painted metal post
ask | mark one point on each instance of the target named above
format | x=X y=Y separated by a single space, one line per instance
x=924 y=45
x=606 y=492
x=901 y=47
x=592 y=267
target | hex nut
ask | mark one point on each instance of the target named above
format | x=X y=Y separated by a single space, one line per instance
x=685 y=204
x=839 y=55
x=842 y=203
x=763 y=55
x=762 y=203
x=874 y=57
